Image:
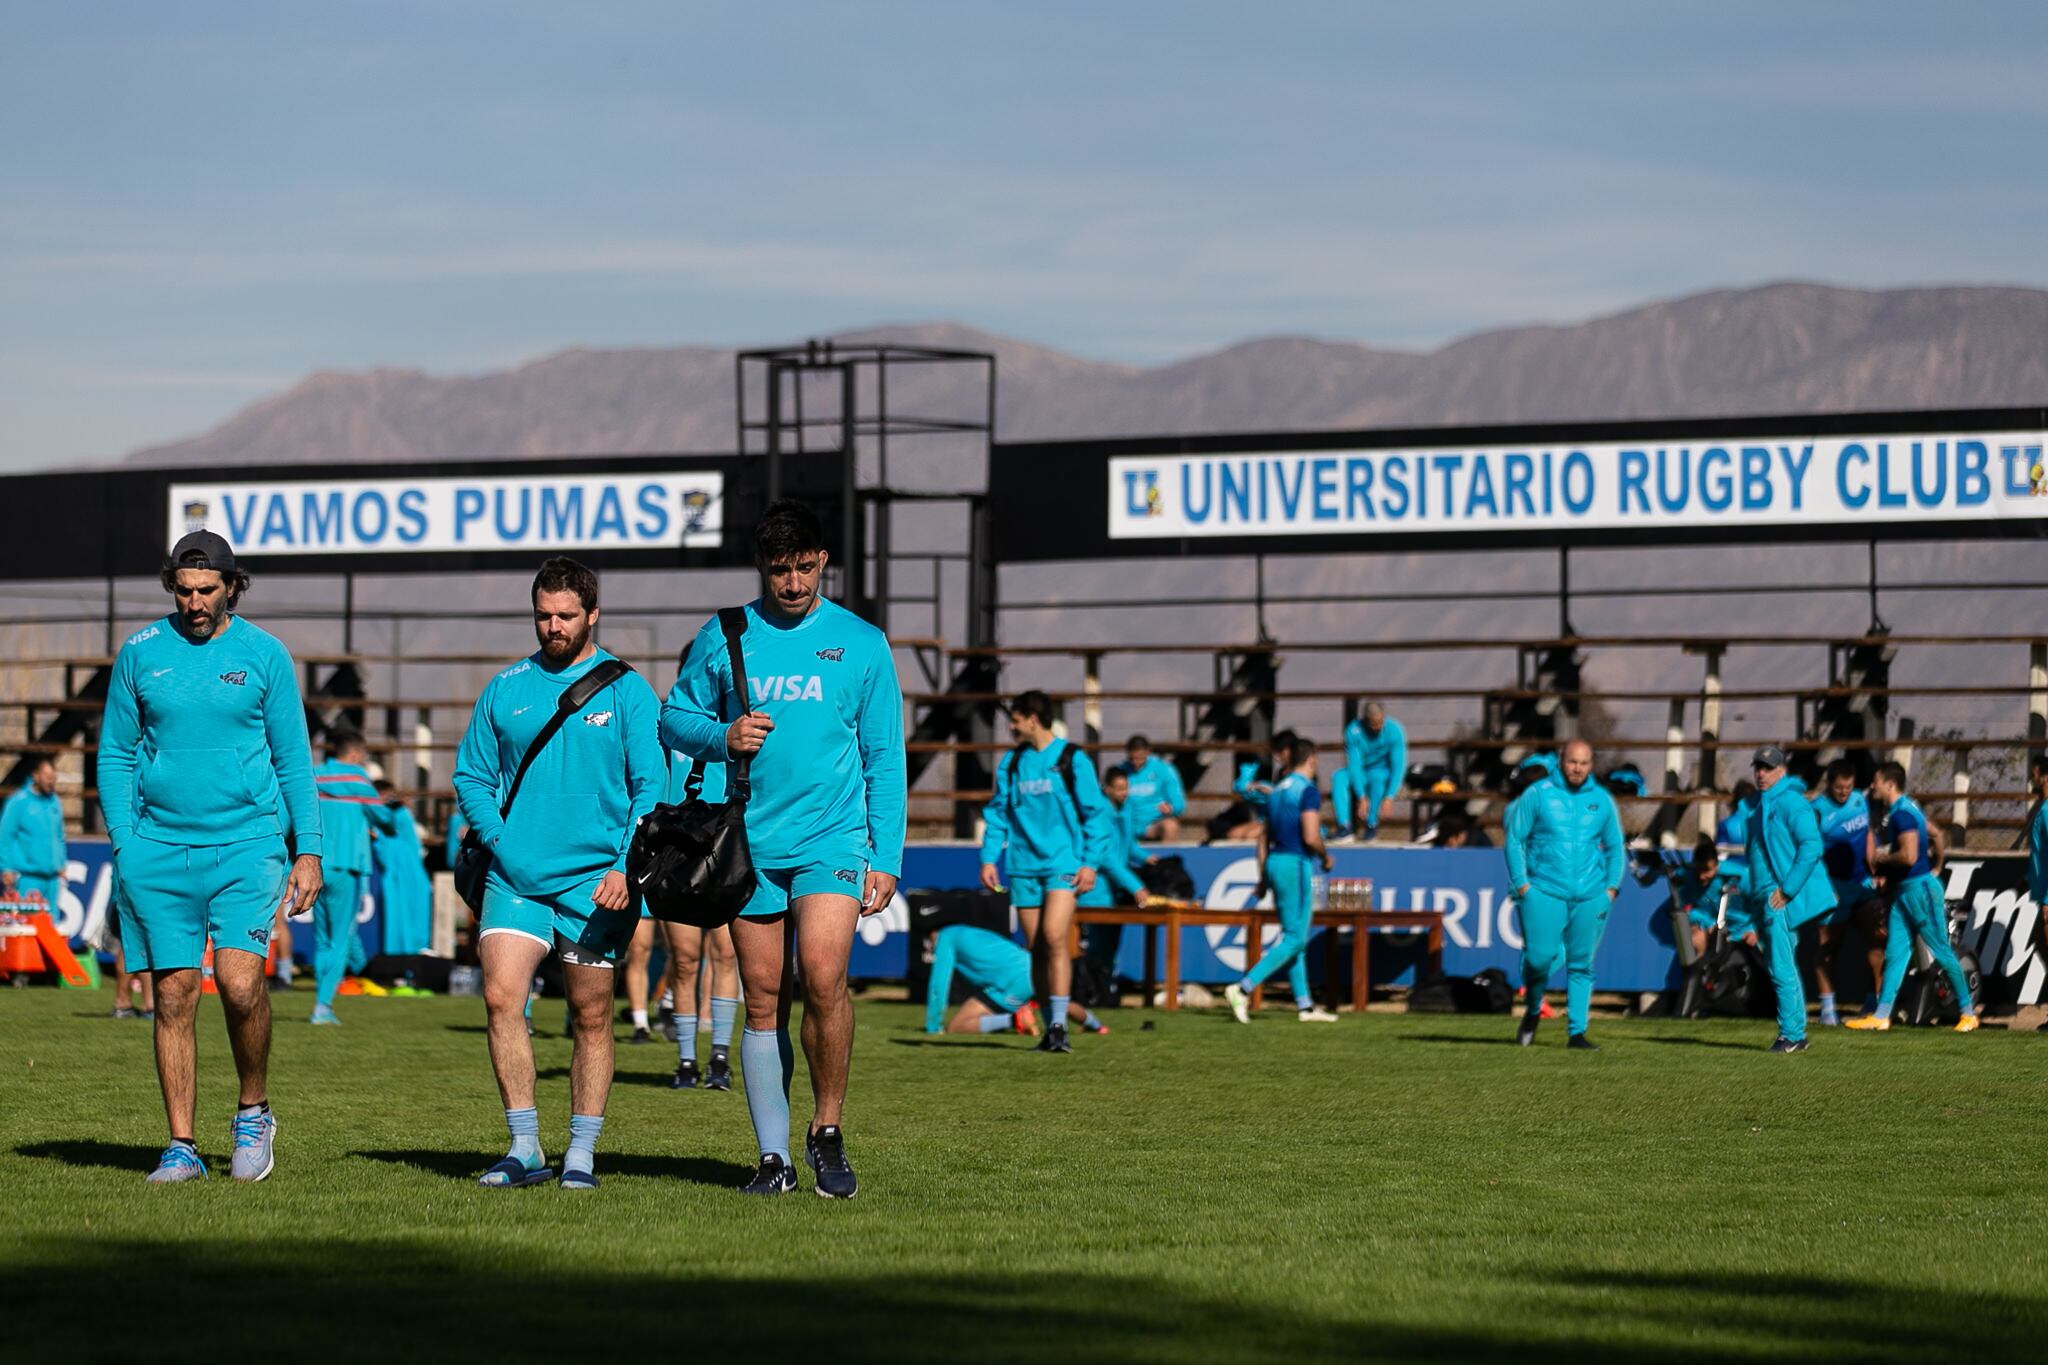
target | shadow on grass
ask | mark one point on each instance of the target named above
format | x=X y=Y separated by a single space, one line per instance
x=1681 y=1040
x=113 y=1156
x=401 y=1298
x=467 y=1166
x=962 y=1041
x=1457 y=1039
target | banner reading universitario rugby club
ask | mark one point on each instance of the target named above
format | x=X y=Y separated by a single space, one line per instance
x=483 y=513
x=1665 y=484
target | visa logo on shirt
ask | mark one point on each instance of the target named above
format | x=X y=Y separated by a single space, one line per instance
x=787 y=687
x=1035 y=786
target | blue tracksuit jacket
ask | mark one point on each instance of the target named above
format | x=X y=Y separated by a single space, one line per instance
x=1565 y=842
x=1033 y=817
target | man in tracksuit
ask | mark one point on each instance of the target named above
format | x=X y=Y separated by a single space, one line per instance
x=349 y=809
x=1566 y=858
x=1901 y=852
x=204 y=770
x=557 y=880
x=32 y=851
x=1844 y=816
x=1290 y=849
x=1048 y=823
x=1375 y=765
x=1119 y=873
x=1155 y=787
x=1786 y=883
x=824 y=734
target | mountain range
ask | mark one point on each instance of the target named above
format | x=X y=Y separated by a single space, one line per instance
x=1779 y=348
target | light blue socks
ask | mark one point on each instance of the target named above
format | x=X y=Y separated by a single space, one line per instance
x=525 y=1128
x=761 y=1068
x=996 y=1023
x=1056 y=1017
x=724 y=1009
x=583 y=1131
x=686 y=1037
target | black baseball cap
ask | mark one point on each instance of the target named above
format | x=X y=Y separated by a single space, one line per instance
x=1769 y=756
x=202 y=550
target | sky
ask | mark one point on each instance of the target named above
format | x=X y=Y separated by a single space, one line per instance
x=204 y=202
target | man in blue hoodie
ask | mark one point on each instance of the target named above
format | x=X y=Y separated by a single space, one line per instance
x=349 y=809
x=204 y=771
x=1375 y=765
x=823 y=732
x=1901 y=851
x=1049 y=824
x=1155 y=788
x=32 y=851
x=1786 y=883
x=1566 y=857
x=558 y=859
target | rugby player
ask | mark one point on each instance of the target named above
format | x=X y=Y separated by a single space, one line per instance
x=1290 y=845
x=1375 y=765
x=32 y=851
x=998 y=971
x=1786 y=883
x=558 y=859
x=1901 y=852
x=203 y=759
x=1844 y=815
x=823 y=732
x=1156 y=786
x=1566 y=858
x=349 y=809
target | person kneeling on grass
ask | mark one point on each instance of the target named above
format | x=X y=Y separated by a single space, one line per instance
x=1291 y=837
x=998 y=971
x=1899 y=851
x=1565 y=861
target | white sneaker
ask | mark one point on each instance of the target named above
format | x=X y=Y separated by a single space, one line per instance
x=1239 y=1002
x=1315 y=1014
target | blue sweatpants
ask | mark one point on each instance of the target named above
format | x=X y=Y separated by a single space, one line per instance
x=1293 y=879
x=334 y=924
x=1919 y=911
x=1561 y=932
x=1780 y=940
x=1368 y=789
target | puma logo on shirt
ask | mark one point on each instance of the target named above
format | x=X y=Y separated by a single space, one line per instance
x=238 y=678
x=832 y=656
x=598 y=718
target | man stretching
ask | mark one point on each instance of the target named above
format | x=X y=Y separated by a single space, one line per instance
x=1375 y=765
x=998 y=972
x=558 y=858
x=203 y=754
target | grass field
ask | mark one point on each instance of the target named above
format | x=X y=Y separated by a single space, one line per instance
x=1390 y=1187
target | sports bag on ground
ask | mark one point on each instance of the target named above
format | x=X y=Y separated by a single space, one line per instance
x=472 y=863
x=691 y=862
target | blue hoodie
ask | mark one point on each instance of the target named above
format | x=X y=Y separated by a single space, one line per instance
x=349 y=808
x=1563 y=842
x=1153 y=783
x=32 y=833
x=1388 y=749
x=1034 y=817
x=204 y=741
x=587 y=788
x=991 y=963
x=1784 y=853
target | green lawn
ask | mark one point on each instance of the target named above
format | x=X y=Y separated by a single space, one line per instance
x=1389 y=1187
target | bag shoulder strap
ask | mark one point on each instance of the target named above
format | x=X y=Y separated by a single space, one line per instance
x=732 y=622
x=1065 y=763
x=574 y=698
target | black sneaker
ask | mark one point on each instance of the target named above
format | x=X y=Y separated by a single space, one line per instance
x=825 y=1152
x=686 y=1075
x=773 y=1177
x=1525 y=1032
x=641 y=1035
x=1055 y=1040
x=1579 y=1042
x=1789 y=1045
x=719 y=1077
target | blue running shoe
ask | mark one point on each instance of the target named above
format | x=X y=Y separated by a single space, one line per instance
x=825 y=1150
x=255 y=1137
x=324 y=1014
x=180 y=1162
x=773 y=1177
x=1789 y=1045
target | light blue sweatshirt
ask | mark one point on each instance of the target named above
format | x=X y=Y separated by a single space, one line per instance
x=1388 y=749
x=1784 y=849
x=831 y=774
x=1153 y=783
x=1843 y=828
x=1564 y=841
x=204 y=741
x=1122 y=855
x=587 y=788
x=991 y=963
x=349 y=809
x=32 y=833
x=1034 y=817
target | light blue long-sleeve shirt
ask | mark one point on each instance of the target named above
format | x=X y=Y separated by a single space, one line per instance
x=1565 y=841
x=349 y=809
x=1157 y=781
x=1843 y=828
x=2037 y=853
x=32 y=833
x=992 y=964
x=831 y=774
x=1035 y=825
x=1784 y=852
x=204 y=741
x=587 y=788
x=1388 y=749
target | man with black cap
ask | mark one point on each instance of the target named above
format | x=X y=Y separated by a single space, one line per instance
x=204 y=773
x=1786 y=883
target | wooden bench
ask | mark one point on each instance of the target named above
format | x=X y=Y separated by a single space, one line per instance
x=1174 y=916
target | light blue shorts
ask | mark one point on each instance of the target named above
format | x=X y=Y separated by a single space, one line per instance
x=775 y=887
x=177 y=896
x=1028 y=893
x=584 y=935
